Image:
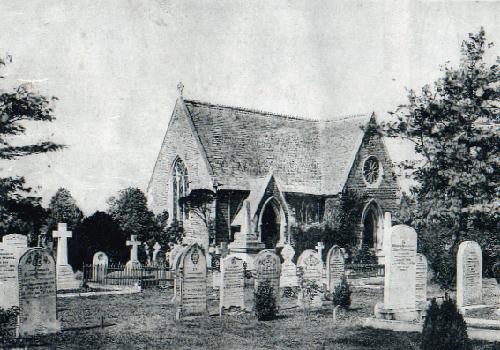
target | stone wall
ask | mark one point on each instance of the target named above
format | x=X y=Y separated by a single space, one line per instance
x=386 y=193
x=229 y=203
x=179 y=141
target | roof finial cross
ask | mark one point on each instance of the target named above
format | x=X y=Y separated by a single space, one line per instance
x=180 y=88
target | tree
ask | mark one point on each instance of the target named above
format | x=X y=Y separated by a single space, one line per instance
x=131 y=213
x=63 y=208
x=16 y=108
x=98 y=232
x=455 y=128
x=19 y=211
x=200 y=203
x=166 y=235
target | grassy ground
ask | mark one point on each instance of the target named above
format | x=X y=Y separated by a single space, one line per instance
x=146 y=321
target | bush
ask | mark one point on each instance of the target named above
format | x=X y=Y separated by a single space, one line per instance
x=444 y=328
x=8 y=320
x=364 y=255
x=341 y=296
x=265 y=302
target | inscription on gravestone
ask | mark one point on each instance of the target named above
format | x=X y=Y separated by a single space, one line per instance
x=288 y=276
x=420 y=281
x=231 y=294
x=469 y=274
x=11 y=249
x=268 y=268
x=312 y=276
x=335 y=267
x=399 y=288
x=194 y=282
x=37 y=293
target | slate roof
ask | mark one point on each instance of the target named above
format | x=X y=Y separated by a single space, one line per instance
x=308 y=156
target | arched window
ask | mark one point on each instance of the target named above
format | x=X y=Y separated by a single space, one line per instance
x=180 y=186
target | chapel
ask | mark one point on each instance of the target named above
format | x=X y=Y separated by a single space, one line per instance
x=249 y=178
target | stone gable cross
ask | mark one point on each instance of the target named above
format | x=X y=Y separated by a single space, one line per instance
x=135 y=247
x=180 y=88
x=62 y=234
x=319 y=247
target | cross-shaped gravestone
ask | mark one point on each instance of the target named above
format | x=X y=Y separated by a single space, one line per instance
x=156 y=250
x=62 y=234
x=135 y=247
x=319 y=247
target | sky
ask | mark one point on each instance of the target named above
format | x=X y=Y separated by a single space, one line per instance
x=115 y=65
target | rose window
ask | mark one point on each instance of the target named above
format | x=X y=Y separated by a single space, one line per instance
x=371 y=170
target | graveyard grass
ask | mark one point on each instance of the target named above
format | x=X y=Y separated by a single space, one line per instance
x=146 y=321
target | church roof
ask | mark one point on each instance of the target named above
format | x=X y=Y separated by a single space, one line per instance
x=309 y=156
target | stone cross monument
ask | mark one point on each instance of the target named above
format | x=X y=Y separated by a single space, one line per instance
x=156 y=250
x=64 y=272
x=133 y=263
x=319 y=247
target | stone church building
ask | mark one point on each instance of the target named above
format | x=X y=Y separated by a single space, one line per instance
x=260 y=175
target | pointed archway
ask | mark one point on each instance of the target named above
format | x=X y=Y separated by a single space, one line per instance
x=372 y=223
x=271 y=222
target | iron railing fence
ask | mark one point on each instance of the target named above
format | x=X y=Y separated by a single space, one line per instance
x=121 y=275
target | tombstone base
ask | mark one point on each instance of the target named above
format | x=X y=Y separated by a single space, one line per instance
x=32 y=329
x=66 y=278
x=396 y=314
x=463 y=309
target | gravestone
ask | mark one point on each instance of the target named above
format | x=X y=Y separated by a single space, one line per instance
x=65 y=275
x=421 y=282
x=193 y=283
x=99 y=266
x=37 y=293
x=11 y=249
x=335 y=267
x=312 y=278
x=268 y=268
x=157 y=260
x=469 y=274
x=15 y=240
x=172 y=256
x=288 y=277
x=232 y=285
x=319 y=247
x=147 y=251
x=176 y=265
x=100 y=258
x=399 y=280
x=133 y=263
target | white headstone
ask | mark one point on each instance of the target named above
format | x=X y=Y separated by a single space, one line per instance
x=335 y=267
x=312 y=275
x=193 y=283
x=232 y=286
x=10 y=251
x=100 y=258
x=65 y=275
x=268 y=268
x=399 y=281
x=37 y=293
x=16 y=240
x=421 y=282
x=319 y=247
x=288 y=276
x=469 y=274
